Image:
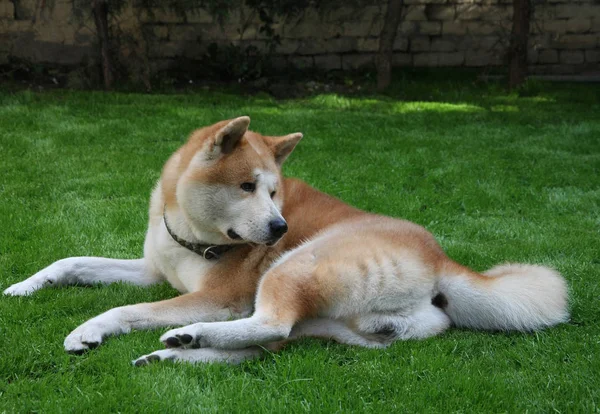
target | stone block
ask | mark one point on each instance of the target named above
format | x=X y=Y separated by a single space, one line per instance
x=50 y=33
x=198 y=16
x=564 y=26
x=407 y=28
x=317 y=46
x=414 y=13
x=368 y=44
x=341 y=44
x=83 y=38
x=212 y=32
x=310 y=46
x=572 y=57
x=482 y=28
x=544 y=11
x=577 y=11
x=371 y=13
x=328 y=62
x=439 y=59
x=302 y=62
x=375 y=28
x=443 y=44
x=7 y=10
x=425 y=59
x=282 y=62
x=183 y=32
x=496 y=13
x=489 y=43
x=355 y=61
x=572 y=41
x=420 y=2
x=401 y=59
x=300 y=31
x=356 y=28
x=429 y=28
x=166 y=50
x=533 y=56
x=342 y=14
x=400 y=43
x=451 y=59
x=289 y=46
x=440 y=12
x=592 y=56
x=160 y=15
x=193 y=50
x=420 y=44
x=595 y=26
x=62 y=12
x=160 y=32
x=548 y=56
x=455 y=27
x=480 y=58
x=469 y=12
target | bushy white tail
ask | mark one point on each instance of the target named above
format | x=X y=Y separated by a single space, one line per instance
x=507 y=297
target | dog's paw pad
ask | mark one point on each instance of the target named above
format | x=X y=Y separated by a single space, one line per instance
x=172 y=342
x=92 y=345
x=185 y=339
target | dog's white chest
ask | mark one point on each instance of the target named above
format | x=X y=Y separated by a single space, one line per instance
x=184 y=269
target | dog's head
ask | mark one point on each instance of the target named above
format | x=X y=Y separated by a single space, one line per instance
x=229 y=182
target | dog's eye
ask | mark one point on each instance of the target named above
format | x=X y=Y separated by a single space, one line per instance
x=249 y=187
x=273 y=194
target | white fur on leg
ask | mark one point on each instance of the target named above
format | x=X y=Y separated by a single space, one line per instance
x=205 y=355
x=226 y=335
x=86 y=271
x=332 y=329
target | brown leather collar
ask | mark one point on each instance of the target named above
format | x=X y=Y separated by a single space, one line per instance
x=207 y=251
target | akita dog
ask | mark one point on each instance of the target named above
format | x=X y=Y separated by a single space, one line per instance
x=261 y=259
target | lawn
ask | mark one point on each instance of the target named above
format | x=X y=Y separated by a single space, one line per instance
x=495 y=177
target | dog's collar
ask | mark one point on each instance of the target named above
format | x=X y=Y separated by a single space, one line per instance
x=207 y=251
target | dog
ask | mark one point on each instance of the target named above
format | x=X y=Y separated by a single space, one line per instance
x=261 y=259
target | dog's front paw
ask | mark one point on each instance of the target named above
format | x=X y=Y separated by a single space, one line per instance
x=82 y=339
x=186 y=337
x=28 y=286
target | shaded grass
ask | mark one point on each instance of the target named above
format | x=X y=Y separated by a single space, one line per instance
x=495 y=177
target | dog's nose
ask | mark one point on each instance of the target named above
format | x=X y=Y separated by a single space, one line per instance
x=278 y=227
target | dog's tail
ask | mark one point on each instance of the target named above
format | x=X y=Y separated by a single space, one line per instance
x=507 y=297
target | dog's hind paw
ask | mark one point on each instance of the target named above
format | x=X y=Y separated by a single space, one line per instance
x=162 y=355
x=186 y=337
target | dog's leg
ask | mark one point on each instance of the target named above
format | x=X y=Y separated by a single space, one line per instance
x=181 y=310
x=423 y=321
x=336 y=330
x=86 y=271
x=287 y=294
x=204 y=355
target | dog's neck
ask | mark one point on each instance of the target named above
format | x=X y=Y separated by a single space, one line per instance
x=180 y=225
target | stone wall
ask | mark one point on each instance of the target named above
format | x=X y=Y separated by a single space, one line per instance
x=565 y=35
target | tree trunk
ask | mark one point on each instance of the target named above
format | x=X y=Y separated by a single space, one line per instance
x=517 y=53
x=100 y=9
x=383 y=61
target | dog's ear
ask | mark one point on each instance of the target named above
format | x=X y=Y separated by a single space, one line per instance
x=283 y=146
x=230 y=135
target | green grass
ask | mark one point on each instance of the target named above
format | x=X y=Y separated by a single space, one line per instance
x=493 y=176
